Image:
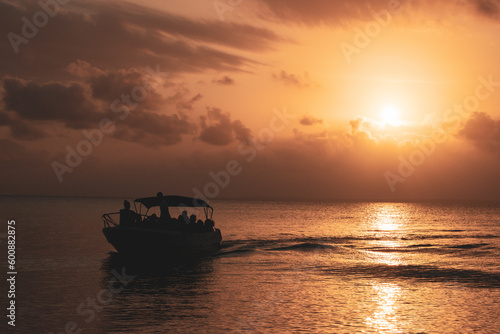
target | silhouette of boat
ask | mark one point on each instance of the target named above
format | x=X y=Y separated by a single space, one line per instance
x=139 y=233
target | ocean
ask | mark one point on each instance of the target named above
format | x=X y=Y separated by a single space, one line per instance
x=284 y=267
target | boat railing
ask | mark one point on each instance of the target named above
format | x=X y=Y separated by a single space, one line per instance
x=108 y=220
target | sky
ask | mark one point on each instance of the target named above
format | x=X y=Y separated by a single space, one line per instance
x=251 y=99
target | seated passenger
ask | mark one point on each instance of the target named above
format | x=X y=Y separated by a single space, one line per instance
x=192 y=223
x=184 y=218
x=199 y=226
x=180 y=224
x=128 y=217
x=192 y=220
x=209 y=225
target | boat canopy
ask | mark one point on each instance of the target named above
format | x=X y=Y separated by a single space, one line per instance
x=179 y=201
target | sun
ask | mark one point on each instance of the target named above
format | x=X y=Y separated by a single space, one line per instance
x=390 y=115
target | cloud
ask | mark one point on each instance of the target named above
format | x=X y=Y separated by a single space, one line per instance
x=50 y=101
x=217 y=128
x=116 y=35
x=317 y=12
x=26 y=131
x=360 y=124
x=82 y=105
x=153 y=129
x=482 y=130
x=20 y=129
x=355 y=124
x=107 y=85
x=225 y=80
x=340 y=13
x=290 y=79
x=487 y=7
x=310 y=120
x=181 y=100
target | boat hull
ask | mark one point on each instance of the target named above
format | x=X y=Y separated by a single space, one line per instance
x=136 y=241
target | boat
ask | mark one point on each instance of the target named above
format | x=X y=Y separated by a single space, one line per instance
x=146 y=234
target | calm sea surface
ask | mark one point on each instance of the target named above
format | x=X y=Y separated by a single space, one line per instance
x=285 y=267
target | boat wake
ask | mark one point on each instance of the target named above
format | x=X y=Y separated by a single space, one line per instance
x=443 y=243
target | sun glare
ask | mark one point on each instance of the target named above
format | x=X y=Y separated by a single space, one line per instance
x=390 y=115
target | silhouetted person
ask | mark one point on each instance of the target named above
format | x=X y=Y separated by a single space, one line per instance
x=153 y=219
x=199 y=226
x=127 y=216
x=184 y=218
x=209 y=225
x=192 y=219
x=164 y=213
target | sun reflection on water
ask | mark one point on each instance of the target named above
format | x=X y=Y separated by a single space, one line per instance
x=385 y=316
x=389 y=217
x=389 y=223
x=388 y=226
x=390 y=259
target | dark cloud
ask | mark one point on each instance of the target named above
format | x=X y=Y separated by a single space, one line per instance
x=83 y=105
x=26 y=131
x=310 y=120
x=328 y=12
x=219 y=32
x=482 y=130
x=335 y=13
x=217 y=128
x=225 y=80
x=4 y=118
x=488 y=7
x=181 y=100
x=20 y=129
x=133 y=84
x=153 y=129
x=50 y=101
x=116 y=35
x=107 y=85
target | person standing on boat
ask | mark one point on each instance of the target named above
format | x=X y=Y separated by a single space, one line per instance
x=164 y=213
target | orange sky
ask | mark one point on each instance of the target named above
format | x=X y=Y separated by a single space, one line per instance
x=387 y=99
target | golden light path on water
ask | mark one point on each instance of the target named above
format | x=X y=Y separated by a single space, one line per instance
x=389 y=217
x=390 y=225
x=385 y=316
x=390 y=220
